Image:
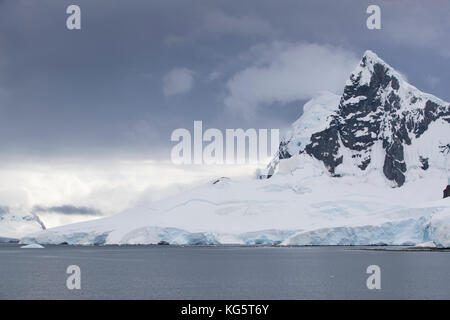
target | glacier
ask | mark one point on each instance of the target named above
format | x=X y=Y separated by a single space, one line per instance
x=364 y=168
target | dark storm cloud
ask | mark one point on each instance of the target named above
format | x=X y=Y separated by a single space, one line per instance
x=100 y=91
x=66 y=209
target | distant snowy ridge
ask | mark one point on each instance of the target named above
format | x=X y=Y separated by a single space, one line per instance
x=367 y=168
x=14 y=223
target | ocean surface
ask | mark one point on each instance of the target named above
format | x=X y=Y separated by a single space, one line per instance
x=166 y=272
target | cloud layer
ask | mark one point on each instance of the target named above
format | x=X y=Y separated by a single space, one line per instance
x=286 y=72
x=63 y=192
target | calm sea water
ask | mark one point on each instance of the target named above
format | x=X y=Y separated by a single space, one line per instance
x=160 y=272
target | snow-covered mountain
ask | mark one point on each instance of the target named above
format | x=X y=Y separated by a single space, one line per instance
x=365 y=168
x=14 y=223
x=380 y=123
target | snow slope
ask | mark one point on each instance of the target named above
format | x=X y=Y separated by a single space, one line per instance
x=365 y=168
x=315 y=117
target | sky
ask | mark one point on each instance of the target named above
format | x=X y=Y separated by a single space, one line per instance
x=86 y=115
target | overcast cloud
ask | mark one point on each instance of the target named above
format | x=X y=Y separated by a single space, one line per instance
x=140 y=69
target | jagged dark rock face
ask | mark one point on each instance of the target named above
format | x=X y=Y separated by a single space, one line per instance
x=282 y=150
x=374 y=110
x=447 y=192
x=324 y=146
x=445 y=149
x=424 y=162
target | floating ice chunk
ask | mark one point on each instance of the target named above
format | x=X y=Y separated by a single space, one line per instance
x=428 y=244
x=32 y=246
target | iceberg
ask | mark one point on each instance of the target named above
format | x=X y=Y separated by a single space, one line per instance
x=32 y=246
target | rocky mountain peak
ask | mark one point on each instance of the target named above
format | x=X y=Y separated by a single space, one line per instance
x=379 y=124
